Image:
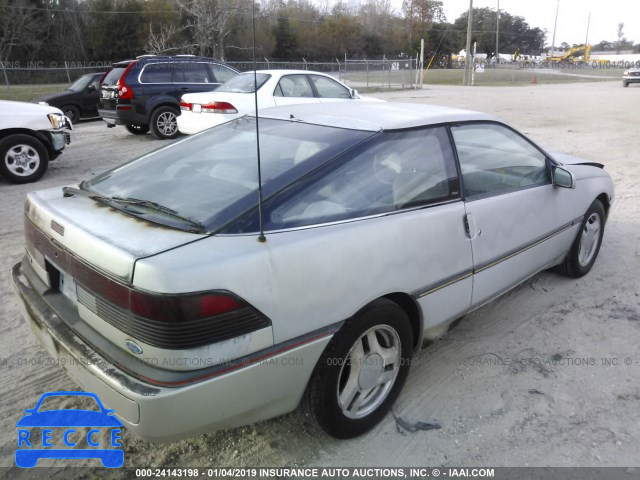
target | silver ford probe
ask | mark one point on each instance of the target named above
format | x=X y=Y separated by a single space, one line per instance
x=383 y=223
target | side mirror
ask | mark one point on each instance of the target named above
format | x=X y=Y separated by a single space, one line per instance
x=91 y=88
x=562 y=177
x=354 y=93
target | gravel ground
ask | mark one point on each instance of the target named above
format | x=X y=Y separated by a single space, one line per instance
x=561 y=393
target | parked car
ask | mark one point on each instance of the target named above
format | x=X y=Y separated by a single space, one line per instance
x=64 y=423
x=144 y=94
x=275 y=87
x=30 y=136
x=383 y=223
x=78 y=100
x=631 y=75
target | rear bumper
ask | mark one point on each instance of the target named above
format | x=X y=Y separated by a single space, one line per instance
x=255 y=391
x=122 y=117
x=190 y=123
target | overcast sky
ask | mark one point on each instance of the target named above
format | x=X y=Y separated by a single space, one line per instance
x=572 y=17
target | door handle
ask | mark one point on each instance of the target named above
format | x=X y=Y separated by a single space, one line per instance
x=470 y=226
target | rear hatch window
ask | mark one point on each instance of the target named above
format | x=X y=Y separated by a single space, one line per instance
x=114 y=74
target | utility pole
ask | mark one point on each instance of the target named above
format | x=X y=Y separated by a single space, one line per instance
x=467 y=59
x=586 y=41
x=555 y=27
x=498 y=34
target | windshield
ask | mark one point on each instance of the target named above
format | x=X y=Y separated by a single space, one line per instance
x=80 y=84
x=243 y=83
x=212 y=178
x=114 y=75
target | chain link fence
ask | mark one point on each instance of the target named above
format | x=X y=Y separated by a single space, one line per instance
x=396 y=74
x=41 y=73
x=25 y=81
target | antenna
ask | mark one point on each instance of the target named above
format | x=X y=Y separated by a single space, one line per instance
x=261 y=237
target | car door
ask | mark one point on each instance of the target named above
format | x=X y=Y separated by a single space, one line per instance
x=294 y=89
x=328 y=90
x=91 y=96
x=514 y=217
x=413 y=240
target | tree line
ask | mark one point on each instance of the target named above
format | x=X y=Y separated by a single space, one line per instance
x=106 y=30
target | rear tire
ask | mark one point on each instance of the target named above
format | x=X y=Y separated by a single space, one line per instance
x=586 y=246
x=23 y=159
x=164 y=123
x=137 y=129
x=361 y=372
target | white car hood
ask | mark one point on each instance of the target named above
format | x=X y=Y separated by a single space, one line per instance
x=25 y=115
x=566 y=159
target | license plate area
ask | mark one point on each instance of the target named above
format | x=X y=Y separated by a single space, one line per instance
x=108 y=94
x=62 y=282
x=197 y=108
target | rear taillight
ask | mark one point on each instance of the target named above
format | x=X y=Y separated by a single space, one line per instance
x=124 y=90
x=185 y=106
x=219 y=107
x=183 y=308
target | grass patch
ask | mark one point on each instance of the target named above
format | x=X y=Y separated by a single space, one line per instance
x=396 y=79
x=26 y=93
x=504 y=77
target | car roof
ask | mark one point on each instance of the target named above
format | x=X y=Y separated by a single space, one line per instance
x=374 y=116
x=284 y=71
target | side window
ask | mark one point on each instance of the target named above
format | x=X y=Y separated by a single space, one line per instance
x=294 y=86
x=495 y=159
x=328 y=88
x=95 y=82
x=221 y=73
x=397 y=170
x=191 y=72
x=156 y=73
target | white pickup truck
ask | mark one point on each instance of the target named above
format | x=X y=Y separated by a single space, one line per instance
x=30 y=136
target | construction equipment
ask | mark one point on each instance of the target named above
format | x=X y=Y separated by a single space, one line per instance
x=574 y=55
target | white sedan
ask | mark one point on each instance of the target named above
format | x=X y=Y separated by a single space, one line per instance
x=383 y=223
x=235 y=98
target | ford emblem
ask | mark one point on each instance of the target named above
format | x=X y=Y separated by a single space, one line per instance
x=133 y=346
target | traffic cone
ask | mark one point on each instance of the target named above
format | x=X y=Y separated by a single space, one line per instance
x=534 y=79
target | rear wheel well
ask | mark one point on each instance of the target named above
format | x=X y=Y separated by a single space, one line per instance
x=175 y=106
x=410 y=307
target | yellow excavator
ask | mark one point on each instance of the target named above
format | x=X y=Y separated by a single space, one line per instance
x=575 y=55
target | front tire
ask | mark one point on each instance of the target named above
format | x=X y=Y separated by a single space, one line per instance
x=586 y=246
x=72 y=112
x=361 y=372
x=23 y=159
x=164 y=123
